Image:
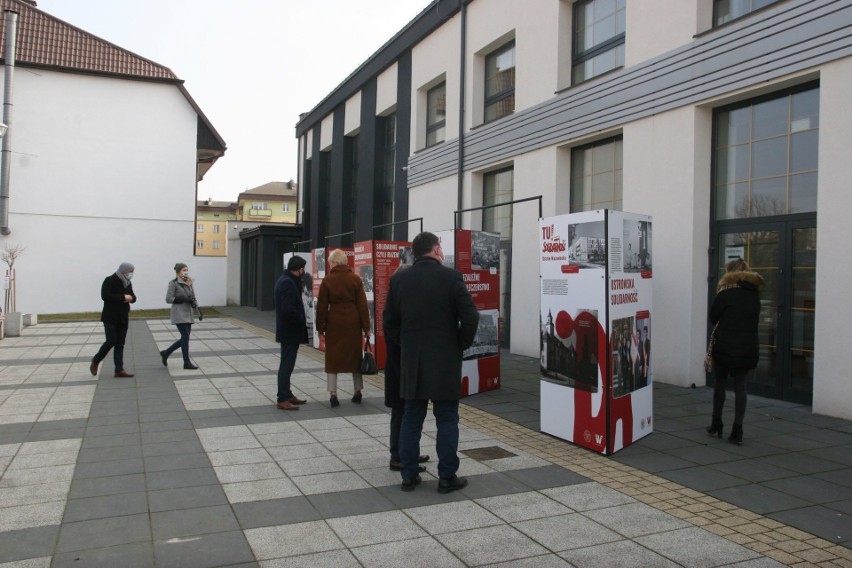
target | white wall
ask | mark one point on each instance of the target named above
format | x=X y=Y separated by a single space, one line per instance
x=666 y=175
x=649 y=35
x=386 y=90
x=834 y=271
x=103 y=171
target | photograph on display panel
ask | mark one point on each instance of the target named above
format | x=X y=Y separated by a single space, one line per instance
x=569 y=348
x=486 y=342
x=366 y=272
x=587 y=244
x=636 y=246
x=485 y=251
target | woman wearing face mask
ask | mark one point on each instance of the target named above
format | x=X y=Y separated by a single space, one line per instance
x=117 y=294
x=181 y=296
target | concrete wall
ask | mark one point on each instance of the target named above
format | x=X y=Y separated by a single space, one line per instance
x=102 y=172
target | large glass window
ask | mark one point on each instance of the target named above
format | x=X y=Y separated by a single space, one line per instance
x=500 y=82
x=726 y=10
x=596 y=176
x=765 y=154
x=599 y=32
x=498 y=187
x=436 y=114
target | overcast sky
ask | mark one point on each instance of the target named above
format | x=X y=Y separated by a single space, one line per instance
x=252 y=66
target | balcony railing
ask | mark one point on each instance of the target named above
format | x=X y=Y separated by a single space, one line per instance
x=260 y=213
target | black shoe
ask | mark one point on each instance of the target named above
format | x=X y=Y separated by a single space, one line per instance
x=410 y=484
x=715 y=428
x=397 y=466
x=190 y=366
x=357 y=398
x=165 y=357
x=736 y=436
x=449 y=485
x=334 y=402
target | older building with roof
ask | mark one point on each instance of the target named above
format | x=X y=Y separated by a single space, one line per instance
x=273 y=202
x=105 y=150
x=211 y=226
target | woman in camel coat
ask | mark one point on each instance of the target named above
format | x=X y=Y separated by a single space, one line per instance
x=344 y=319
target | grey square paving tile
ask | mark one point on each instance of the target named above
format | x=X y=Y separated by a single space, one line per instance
x=811 y=489
x=545 y=561
x=348 y=503
x=112 y=453
x=489 y=545
x=696 y=547
x=28 y=543
x=553 y=532
x=239 y=457
x=82 y=488
x=176 y=461
x=832 y=525
x=423 y=552
x=167 y=426
x=186 y=498
x=758 y=498
x=168 y=436
x=101 y=533
x=189 y=522
x=523 y=506
x=109 y=468
x=31 y=515
x=106 y=506
x=181 y=478
x=136 y=555
x=491 y=484
x=841 y=455
x=183 y=447
x=330 y=559
x=452 y=517
x=113 y=429
x=702 y=478
x=388 y=526
x=840 y=477
x=111 y=440
x=261 y=489
x=203 y=551
x=636 y=519
x=292 y=540
x=621 y=554
x=547 y=476
x=310 y=466
x=754 y=471
x=269 y=512
x=330 y=482
x=248 y=472
x=653 y=461
x=588 y=496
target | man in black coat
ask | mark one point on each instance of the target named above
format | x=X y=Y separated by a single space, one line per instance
x=290 y=328
x=431 y=316
x=117 y=294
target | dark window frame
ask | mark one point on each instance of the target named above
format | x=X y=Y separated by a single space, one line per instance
x=438 y=124
x=590 y=146
x=578 y=58
x=745 y=14
x=492 y=100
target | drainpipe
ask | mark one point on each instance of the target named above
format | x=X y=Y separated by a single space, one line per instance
x=462 y=78
x=5 y=155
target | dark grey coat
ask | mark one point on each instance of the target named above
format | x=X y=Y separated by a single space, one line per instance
x=736 y=309
x=431 y=315
x=181 y=296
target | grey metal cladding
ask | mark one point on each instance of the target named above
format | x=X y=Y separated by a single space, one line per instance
x=789 y=38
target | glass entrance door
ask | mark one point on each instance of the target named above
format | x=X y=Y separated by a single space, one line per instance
x=784 y=254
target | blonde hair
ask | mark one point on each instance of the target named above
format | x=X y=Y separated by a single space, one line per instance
x=337 y=258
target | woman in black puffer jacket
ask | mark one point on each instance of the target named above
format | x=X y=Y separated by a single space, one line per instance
x=734 y=313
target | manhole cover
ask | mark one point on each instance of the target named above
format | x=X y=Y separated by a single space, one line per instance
x=489 y=453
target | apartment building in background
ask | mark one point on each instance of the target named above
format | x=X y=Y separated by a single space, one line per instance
x=211 y=226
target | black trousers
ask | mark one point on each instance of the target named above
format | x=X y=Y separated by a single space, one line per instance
x=115 y=334
x=739 y=375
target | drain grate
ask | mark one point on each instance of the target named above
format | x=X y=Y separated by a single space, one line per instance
x=488 y=453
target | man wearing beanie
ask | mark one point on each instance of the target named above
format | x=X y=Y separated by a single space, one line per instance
x=117 y=294
x=290 y=328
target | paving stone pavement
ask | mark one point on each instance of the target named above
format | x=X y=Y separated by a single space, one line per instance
x=198 y=468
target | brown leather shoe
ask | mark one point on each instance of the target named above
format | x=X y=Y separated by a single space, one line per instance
x=287 y=405
x=93 y=368
x=294 y=400
x=123 y=375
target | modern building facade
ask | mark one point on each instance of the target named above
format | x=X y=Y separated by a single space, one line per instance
x=724 y=120
x=211 y=226
x=105 y=151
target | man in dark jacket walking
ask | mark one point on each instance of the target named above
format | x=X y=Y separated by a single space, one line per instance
x=290 y=328
x=431 y=316
x=117 y=294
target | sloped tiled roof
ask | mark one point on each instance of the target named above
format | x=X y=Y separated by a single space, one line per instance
x=274 y=189
x=46 y=41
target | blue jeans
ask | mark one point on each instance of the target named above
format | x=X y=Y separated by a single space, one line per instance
x=285 y=369
x=184 y=329
x=446 y=414
x=115 y=333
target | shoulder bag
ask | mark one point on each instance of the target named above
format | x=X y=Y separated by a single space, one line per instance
x=368 y=362
x=708 y=358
